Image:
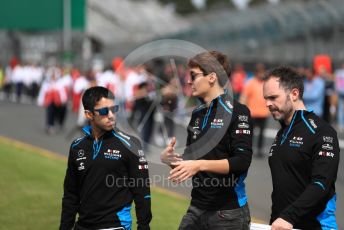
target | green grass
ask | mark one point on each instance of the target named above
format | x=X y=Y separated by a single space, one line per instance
x=31 y=192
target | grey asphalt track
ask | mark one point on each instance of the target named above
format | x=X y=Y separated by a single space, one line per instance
x=25 y=123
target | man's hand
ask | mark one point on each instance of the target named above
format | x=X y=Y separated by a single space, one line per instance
x=280 y=224
x=168 y=155
x=184 y=170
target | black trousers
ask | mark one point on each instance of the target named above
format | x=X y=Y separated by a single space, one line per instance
x=198 y=219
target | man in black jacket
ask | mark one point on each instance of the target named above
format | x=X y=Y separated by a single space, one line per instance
x=218 y=150
x=303 y=158
x=106 y=171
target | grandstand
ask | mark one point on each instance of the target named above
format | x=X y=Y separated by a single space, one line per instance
x=288 y=32
x=292 y=31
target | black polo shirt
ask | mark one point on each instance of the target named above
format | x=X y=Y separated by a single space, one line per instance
x=222 y=130
x=304 y=162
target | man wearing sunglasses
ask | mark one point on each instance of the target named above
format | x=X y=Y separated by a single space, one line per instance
x=218 y=150
x=106 y=171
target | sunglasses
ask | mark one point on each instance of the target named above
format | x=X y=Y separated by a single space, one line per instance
x=193 y=76
x=105 y=110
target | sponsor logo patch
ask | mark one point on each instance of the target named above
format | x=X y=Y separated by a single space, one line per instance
x=141 y=167
x=197 y=121
x=243 y=118
x=217 y=123
x=195 y=133
x=296 y=141
x=81 y=166
x=294 y=145
x=327 y=146
x=313 y=123
x=243 y=125
x=81 y=153
x=298 y=138
x=142 y=158
x=328 y=139
x=243 y=131
x=81 y=158
x=271 y=152
x=326 y=154
x=228 y=103
x=112 y=154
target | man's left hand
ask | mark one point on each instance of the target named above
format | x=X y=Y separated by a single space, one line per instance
x=280 y=224
x=184 y=170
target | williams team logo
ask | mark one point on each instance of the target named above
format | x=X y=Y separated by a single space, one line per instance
x=217 y=123
x=112 y=154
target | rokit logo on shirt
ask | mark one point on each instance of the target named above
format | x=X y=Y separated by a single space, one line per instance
x=141 y=167
x=326 y=154
x=112 y=154
x=243 y=131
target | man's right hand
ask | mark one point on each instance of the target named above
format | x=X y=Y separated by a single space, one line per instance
x=168 y=155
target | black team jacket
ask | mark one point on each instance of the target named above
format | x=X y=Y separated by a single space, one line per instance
x=222 y=130
x=304 y=162
x=103 y=178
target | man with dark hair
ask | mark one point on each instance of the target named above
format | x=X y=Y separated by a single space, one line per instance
x=303 y=158
x=218 y=150
x=106 y=171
